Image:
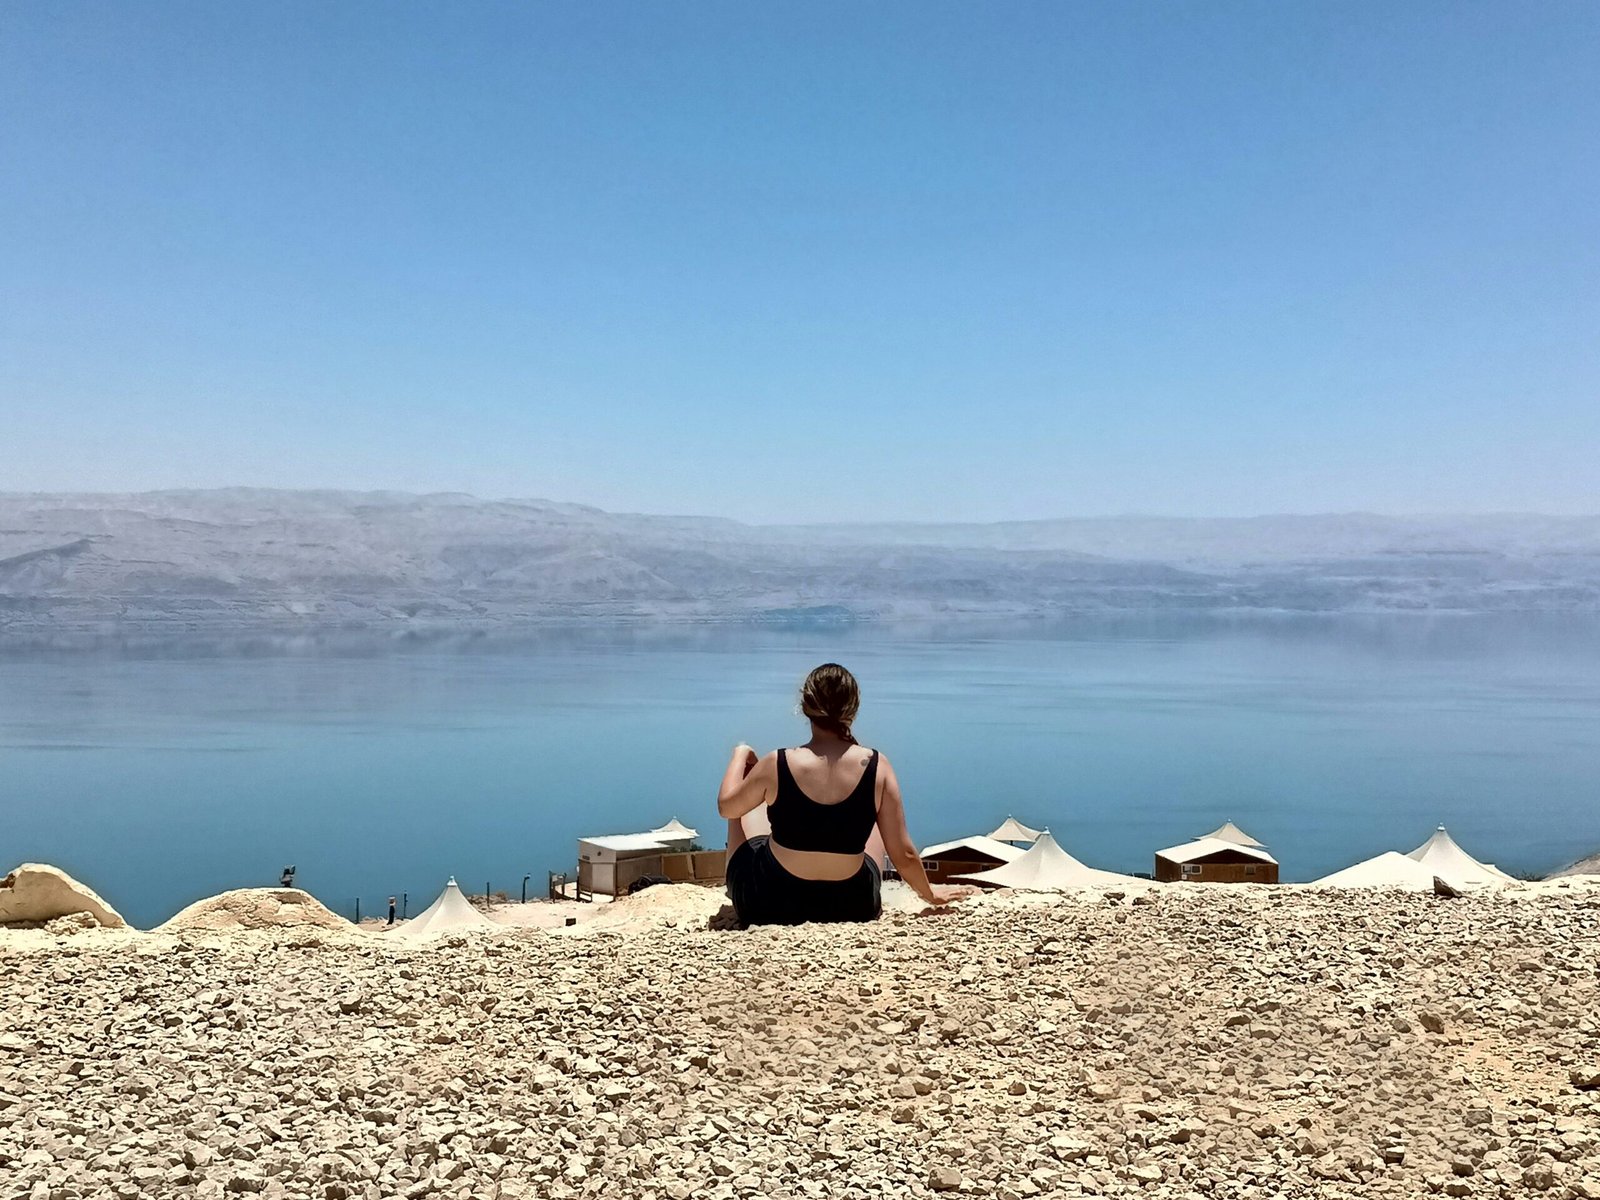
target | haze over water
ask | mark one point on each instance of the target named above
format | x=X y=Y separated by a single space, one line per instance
x=161 y=772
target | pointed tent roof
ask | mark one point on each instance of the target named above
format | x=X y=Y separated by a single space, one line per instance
x=1046 y=867
x=452 y=911
x=1391 y=869
x=1450 y=862
x=988 y=846
x=1013 y=830
x=675 y=830
x=1229 y=832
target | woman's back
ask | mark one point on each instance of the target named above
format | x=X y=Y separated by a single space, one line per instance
x=828 y=779
x=825 y=803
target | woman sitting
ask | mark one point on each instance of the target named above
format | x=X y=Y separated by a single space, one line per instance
x=825 y=800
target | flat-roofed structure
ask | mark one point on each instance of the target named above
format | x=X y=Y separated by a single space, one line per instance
x=612 y=863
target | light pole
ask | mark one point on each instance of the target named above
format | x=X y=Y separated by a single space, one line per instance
x=525 y=879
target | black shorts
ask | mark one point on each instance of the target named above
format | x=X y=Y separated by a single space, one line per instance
x=763 y=893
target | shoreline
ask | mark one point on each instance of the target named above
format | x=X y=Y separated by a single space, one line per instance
x=397 y=629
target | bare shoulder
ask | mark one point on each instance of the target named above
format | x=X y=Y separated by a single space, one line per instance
x=886 y=770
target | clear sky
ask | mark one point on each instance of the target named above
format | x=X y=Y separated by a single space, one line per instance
x=808 y=261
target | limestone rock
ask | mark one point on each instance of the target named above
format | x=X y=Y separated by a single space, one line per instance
x=944 y=1179
x=38 y=892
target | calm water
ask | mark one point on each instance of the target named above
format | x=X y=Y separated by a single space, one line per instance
x=165 y=771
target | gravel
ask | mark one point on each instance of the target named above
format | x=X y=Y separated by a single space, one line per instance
x=1204 y=1042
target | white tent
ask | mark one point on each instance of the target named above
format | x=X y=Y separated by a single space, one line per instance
x=675 y=831
x=1450 y=862
x=1046 y=867
x=1013 y=830
x=1391 y=870
x=450 y=912
x=1229 y=832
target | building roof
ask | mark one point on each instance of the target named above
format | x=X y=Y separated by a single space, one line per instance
x=1391 y=869
x=675 y=830
x=450 y=912
x=1229 y=832
x=986 y=846
x=1207 y=846
x=1013 y=830
x=1046 y=867
x=624 y=841
x=1450 y=862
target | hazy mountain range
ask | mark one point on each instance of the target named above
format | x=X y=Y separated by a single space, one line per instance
x=244 y=558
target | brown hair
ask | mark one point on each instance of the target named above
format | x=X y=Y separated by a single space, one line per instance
x=831 y=699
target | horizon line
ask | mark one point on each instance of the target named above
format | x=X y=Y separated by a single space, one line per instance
x=896 y=522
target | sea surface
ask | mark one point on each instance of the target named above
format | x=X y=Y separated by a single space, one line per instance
x=163 y=770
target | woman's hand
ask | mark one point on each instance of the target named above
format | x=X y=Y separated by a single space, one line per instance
x=747 y=757
x=941 y=898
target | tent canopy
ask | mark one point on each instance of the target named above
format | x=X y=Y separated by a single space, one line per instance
x=1229 y=832
x=450 y=912
x=675 y=830
x=1391 y=869
x=1046 y=867
x=1207 y=846
x=987 y=846
x=1013 y=830
x=1450 y=862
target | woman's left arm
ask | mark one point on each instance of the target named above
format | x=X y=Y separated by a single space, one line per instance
x=748 y=783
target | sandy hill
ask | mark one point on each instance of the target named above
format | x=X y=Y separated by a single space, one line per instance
x=1225 y=1043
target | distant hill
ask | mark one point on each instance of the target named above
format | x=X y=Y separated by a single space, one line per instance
x=1585 y=866
x=241 y=558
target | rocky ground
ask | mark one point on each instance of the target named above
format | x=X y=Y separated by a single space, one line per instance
x=1189 y=1041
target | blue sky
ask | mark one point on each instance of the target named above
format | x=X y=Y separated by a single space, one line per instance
x=808 y=261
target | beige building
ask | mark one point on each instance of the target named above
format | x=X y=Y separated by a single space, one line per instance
x=610 y=864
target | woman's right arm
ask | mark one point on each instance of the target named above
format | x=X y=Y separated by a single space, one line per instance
x=897 y=841
x=749 y=782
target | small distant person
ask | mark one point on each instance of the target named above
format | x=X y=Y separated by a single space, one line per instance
x=825 y=801
x=391 y=910
x=288 y=878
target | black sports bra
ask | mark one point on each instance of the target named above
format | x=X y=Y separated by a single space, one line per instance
x=800 y=823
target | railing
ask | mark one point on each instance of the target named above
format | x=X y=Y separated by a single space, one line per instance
x=560 y=881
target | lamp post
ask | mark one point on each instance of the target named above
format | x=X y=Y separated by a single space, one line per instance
x=525 y=879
